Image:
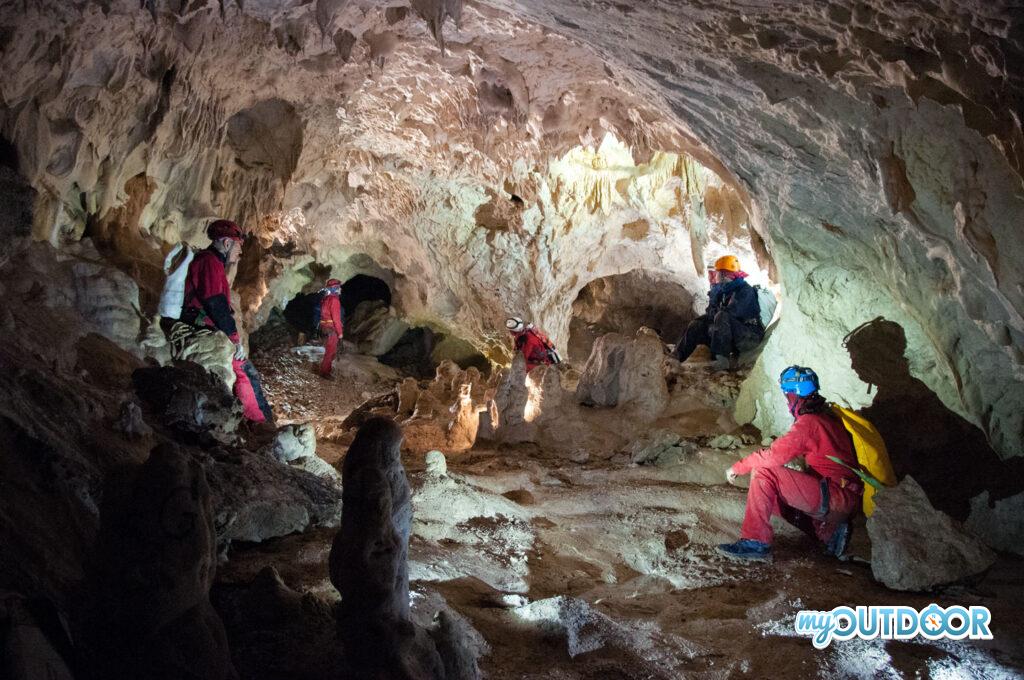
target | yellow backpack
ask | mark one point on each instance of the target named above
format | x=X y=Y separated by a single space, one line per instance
x=876 y=469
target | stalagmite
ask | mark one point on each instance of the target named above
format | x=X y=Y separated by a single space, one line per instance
x=156 y=559
x=369 y=561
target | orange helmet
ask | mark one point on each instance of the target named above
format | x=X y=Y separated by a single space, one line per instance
x=727 y=263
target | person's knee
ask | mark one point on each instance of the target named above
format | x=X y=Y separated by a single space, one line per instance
x=766 y=478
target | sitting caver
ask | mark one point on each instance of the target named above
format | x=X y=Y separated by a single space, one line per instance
x=732 y=322
x=206 y=332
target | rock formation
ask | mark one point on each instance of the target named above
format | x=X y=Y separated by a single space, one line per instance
x=916 y=547
x=999 y=524
x=505 y=417
x=189 y=400
x=152 y=616
x=293 y=442
x=626 y=372
x=369 y=561
x=256 y=497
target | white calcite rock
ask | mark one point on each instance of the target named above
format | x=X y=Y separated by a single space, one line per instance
x=294 y=441
x=625 y=372
x=436 y=464
x=916 y=547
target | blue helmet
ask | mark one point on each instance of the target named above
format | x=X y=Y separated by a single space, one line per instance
x=799 y=380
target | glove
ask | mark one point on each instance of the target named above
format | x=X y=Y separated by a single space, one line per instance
x=730 y=476
x=239 y=352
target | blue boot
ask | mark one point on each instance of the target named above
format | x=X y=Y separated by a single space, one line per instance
x=836 y=546
x=747 y=549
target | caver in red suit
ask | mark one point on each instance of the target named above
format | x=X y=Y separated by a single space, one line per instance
x=533 y=344
x=798 y=496
x=208 y=303
x=331 y=324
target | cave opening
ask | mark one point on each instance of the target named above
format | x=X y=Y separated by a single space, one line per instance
x=623 y=303
x=363 y=289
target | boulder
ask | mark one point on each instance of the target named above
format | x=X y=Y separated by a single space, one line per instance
x=266 y=617
x=189 y=400
x=1000 y=524
x=315 y=465
x=661 y=448
x=130 y=422
x=626 y=372
x=725 y=442
x=292 y=442
x=30 y=651
x=257 y=498
x=916 y=547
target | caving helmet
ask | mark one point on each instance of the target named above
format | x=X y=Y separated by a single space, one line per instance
x=219 y=229
x=333 y=285
x=727 y=263
x=799 y=380
x=515 y=324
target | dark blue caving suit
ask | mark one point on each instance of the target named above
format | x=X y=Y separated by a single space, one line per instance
x=731 y=324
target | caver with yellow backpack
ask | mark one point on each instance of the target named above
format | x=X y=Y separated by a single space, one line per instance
x=820 y=500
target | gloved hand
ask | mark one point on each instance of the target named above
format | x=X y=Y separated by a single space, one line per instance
x=239 y=352
x=730 y=476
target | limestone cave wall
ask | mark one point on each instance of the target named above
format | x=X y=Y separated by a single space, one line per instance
x=498 y=156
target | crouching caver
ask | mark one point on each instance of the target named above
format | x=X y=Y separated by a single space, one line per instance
x=532 y=343
x=818 y=502
x=206 y=332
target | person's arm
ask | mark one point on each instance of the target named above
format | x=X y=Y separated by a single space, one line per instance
x=219 y=311
x=784 y=449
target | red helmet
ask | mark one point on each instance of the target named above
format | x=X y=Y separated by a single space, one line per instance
x=331 y=283
x=224 y=229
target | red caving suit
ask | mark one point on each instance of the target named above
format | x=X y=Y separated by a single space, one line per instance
x=331 y=326
x=797 y=496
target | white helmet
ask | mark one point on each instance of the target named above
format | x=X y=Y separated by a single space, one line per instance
x=515 y=324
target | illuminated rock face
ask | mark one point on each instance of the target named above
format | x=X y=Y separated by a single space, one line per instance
x=873 y=147
x=879 y=145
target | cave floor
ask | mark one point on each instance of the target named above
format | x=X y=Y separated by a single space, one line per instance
x=600 y=569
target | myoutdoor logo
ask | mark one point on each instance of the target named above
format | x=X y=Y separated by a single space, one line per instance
x=894 y=623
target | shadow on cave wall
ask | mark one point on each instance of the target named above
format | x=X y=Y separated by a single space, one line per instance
x=949 y=456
